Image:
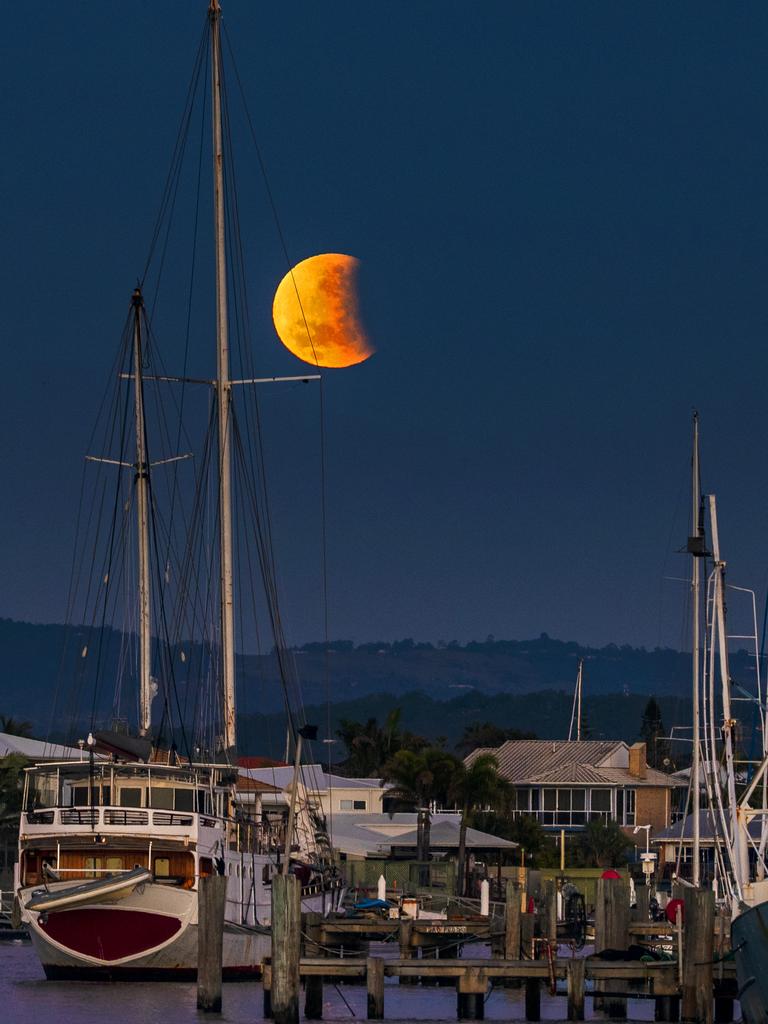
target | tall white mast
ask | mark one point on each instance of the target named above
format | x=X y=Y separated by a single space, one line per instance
x=695 y=546
x=142 y=510
x=576 y=709
x=739 y=840
x=224 y=393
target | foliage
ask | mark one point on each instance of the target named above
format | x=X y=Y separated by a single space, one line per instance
x=537 y=848
x=370 y=746
x=11 y=792
x=488 y=734
x=418 y=779
x=653 y=733
x=476 y=785
x=602 y=845
x=15 y=726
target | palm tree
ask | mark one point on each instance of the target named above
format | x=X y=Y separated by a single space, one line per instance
x=15 y=726
x=370 y=746
x=420 y=778
x=477 y=785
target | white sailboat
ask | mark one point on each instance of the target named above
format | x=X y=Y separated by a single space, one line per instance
x=741 y=829
x=111 y=848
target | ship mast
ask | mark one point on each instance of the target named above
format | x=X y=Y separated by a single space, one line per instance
x=224 y=396
x=142 y=510
x=695 y=545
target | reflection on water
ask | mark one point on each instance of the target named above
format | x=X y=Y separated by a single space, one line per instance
x=27 y=998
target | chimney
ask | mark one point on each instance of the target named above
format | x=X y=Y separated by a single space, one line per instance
x=637 y=760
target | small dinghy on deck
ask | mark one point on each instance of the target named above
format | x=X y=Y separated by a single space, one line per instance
x=111 y=886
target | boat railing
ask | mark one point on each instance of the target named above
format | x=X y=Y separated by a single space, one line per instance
x=6 y=907
x=72 y=819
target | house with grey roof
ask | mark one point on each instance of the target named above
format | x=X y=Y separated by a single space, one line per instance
x=566 y=783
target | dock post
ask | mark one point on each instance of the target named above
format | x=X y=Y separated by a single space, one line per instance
x=211 y=898
x=313 y=983
x=723 y=1009
x=312 y=926
x=667 y=1008
x=471 y=987
x=406 y=950
x=512 y=923
x=575 y=974
x=286 y=948
x=374 y=972
x=611 y=932
x=641 y=912
x=549 y=916
x=266 y=986
x=532 y=999
x=698 y=952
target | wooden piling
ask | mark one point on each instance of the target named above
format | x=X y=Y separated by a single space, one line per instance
x=723 y=1009
x=375 y=979
x=527 y=932
x=641 y=912
x=312 y=928
x=313 y=997
x=549 y=910
x=611 y=932
x=471 y=987
x=575 y=975
x=698 y=953
x=211 y=899
x=532 y=999
x=266 y=986
x=512 y=923
x=286 y=948
x=312 y=923
x=406 y=950
x=667 y=1008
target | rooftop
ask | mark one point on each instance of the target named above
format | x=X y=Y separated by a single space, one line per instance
x=37 y=750
x=578 y=762
x=374 y=835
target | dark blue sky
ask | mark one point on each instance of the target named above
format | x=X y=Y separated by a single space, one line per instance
x=561 y=215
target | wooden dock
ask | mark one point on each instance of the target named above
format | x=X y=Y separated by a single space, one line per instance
x=475 y=978
x=696 y=984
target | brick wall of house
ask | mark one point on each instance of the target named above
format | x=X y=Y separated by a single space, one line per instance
x=652 y=807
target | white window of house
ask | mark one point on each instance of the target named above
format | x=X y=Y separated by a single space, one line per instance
x=600 y=805
x=564 y=807
x=629 y=806
x=353 y=805
x=578 y=807
x=521 y=799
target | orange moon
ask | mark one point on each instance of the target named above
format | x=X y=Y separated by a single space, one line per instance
x=316 y=315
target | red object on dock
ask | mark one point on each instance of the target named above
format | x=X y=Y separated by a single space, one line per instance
x=671 y=911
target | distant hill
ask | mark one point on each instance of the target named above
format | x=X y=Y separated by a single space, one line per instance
x=547 y=713
x=491 y=678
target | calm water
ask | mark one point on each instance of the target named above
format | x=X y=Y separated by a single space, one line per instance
x=27 y=998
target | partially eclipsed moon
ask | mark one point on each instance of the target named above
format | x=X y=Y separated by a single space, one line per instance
x=316 y=315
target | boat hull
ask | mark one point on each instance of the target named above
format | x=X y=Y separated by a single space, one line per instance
x=244 y=953
x=749 y=941
x=150 y=934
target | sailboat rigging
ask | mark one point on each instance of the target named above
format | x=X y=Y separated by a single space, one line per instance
x=130 y=833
